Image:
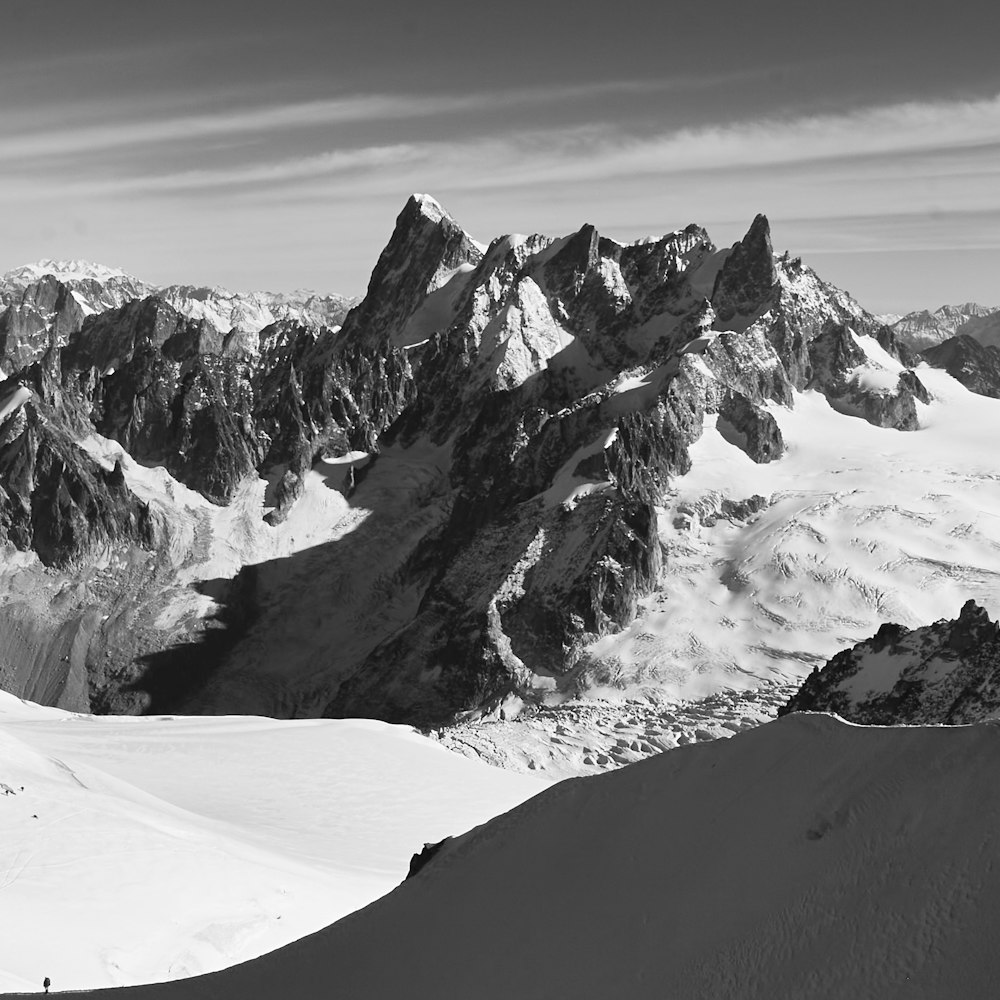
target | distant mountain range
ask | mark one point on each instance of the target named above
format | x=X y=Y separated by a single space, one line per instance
x=58 y=295
x=922 y=329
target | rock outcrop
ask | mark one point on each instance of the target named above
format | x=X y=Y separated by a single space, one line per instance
x=54 y=498
x=945 y=673
x=975 y=365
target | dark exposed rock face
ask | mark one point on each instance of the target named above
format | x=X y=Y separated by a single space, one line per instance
x=838 y=370
x=162 y=386
x=38 y=310
x=33 y=314
x=948 y=672
x=976 y=366
x=747 y=278
x=751 y=428
x=425 y=856
x=54 y=498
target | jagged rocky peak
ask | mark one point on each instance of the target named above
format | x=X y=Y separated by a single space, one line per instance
x=945 y=673
x=33 y=313
x=570 y=375
x=112 y=338
x=427 y=254
x=433 y=237
x=975 y=365
x=747 y=278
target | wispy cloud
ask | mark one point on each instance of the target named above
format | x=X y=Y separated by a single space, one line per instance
x=887 y=143
x=137 y=131
x=607 y=154
x=882 y=178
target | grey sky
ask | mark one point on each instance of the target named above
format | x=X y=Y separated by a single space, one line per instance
x=272 y=144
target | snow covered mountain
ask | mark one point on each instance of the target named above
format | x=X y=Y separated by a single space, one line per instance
x=807 y=858
x=560 y=466
x=922 y=329
x=50 y=300
x=74 y=271
x=145 y=850
x=248 y=313
x=948 y=672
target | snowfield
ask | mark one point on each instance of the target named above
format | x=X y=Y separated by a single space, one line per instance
x=145 y=849
x=863 y=525
x=806 y=858
x=858 y=525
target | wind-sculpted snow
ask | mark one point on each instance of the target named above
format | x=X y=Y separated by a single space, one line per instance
x=806 y=858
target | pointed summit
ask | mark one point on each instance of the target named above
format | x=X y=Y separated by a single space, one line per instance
x=428 y=206
x=425 y=242
x=426 y=248
x=747 y=278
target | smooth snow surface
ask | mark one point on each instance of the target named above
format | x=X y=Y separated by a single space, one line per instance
x=806 y=858
x=864 y=525
x=144 y=849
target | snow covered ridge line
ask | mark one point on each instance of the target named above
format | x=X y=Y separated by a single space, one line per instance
x=801 y=859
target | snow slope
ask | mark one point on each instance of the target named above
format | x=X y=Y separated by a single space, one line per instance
x=806 y=858
x=864 y=525
x=145 y=849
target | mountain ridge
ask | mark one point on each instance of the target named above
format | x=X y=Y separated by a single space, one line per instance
x=519 y=417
